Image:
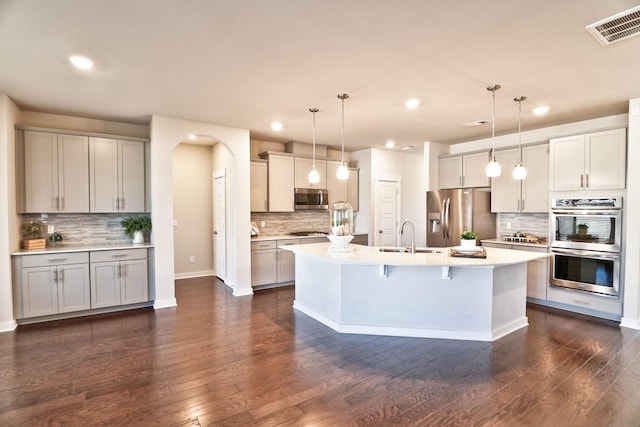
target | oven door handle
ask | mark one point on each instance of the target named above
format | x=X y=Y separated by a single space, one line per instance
x=583 y=213
x=589 y=254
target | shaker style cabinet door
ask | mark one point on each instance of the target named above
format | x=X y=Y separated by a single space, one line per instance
x=505 y=191
x=281 y=182
x=259 y=188
x=302 y=168
x=56 y=172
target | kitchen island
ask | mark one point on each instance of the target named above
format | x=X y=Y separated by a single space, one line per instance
x=430 y=295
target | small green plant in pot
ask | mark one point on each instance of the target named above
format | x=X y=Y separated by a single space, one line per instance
x=468 y=238
x=135 y=226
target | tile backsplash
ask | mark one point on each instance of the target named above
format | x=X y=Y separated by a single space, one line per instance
x=100 y=229
x=279 y=223
x=530 y=223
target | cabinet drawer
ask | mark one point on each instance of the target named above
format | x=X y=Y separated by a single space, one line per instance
x=118 y=255
x=287 y=242
x=270 y=244
x=55 y=259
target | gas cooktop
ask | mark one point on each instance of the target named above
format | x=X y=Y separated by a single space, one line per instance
x=308 y=233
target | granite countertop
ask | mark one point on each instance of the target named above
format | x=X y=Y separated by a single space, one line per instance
x=504 y=242
x=65 y=248
x=288 y=236
x=373 y=255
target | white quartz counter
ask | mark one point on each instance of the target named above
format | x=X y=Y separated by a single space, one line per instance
x=373 y=255
x=81 y=248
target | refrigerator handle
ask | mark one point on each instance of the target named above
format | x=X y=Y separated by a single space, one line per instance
x=445 y=217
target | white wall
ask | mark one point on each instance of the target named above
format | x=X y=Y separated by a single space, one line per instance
x=375 y=163
x=631 y=308
x=166 y=133
x=192 y=209
x=9 y=220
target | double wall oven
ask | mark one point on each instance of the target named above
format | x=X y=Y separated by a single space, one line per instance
x=585 y=244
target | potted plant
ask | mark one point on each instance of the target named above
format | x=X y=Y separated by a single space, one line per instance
x=32 y=232
x=468 y=238
x=134 y=226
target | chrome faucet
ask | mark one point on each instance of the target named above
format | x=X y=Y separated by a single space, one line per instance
x=413 y=234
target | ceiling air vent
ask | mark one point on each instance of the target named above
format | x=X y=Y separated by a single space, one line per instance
x=617 y=27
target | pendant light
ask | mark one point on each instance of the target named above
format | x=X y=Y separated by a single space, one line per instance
x=519 y=171
x=493 y=168
x=343 y=171
x=314 y=176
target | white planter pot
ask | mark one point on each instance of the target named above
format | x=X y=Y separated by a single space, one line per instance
x=468 y=243
x=138 y=237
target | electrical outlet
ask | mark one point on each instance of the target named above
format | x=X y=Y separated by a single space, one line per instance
x=508 y=226
x=263 y=224
x=192 y=259
x=175 y=222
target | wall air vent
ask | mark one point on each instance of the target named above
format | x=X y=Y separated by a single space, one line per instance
x=617 y=27
x=476 y=123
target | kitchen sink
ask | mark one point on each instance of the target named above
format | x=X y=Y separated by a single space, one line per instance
x=408 y=250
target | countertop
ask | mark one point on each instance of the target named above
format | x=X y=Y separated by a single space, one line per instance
x=499 y=241
x=288 y=236
x=372 y=255
x=81 y=248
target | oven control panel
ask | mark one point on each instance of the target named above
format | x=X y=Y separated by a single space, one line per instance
x=594 y=203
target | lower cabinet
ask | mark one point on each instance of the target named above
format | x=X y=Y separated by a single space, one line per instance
x=264 y=265
x=52 y=284
x=119 y=277
x=537 y=270
x=286 y=261
x=65 y=282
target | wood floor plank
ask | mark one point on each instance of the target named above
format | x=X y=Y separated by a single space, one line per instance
x=221 y=360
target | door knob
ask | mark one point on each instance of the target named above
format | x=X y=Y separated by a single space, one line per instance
x=380 y=231
x=215 y=232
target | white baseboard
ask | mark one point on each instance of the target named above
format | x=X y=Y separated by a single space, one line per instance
x=8 y=326
x=165 y=303
x=193 y=274
x=630 y=323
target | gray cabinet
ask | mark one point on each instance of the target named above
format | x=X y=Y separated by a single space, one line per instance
x=259 y=188
x=264 y=262
x=286 y=261
x=119 y=277
x=117 y=171
x=463 y=171
x=342 y=191
x=302 y=168
x=53 y=172
x=280 y=182
x=52 y=283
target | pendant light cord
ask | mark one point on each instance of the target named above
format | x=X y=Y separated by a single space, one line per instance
x=314 y=110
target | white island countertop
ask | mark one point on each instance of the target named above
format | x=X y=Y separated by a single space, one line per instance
x=373 y=255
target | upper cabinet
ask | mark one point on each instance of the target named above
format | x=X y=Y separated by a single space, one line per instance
x=280 y=182
x=117 y=175
x=464 y=171
x=259 y=188
x=339 y=190
x=302 y=168
x=528 y=195
x=594 y=161
x=53 y=172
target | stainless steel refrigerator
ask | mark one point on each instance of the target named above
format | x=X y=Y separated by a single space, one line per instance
x=450 y=212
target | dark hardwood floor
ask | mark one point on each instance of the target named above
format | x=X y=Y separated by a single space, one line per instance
x=221 y=360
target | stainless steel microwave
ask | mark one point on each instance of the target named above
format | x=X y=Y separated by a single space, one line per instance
x=311 y=199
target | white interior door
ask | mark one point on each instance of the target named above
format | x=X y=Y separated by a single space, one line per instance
x=219 y=228
x=387 y=203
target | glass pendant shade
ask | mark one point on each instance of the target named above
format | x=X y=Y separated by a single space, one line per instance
x=343 y=172
x=493 y=168
x=314 y=176
x=519 y=172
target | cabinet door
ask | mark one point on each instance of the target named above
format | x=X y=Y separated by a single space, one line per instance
x=605 y=158
x=535 y=188
x=281 y=183
x=474 y=170
x=336 y=188
x=73 y=288
x=39 y=291
x=505 y=191
x=103 y=169
x=105 y=284
x=131 y=176
x=263 y=266
x=450 y=172
x=353 y=189
x=286 y=261
x=41 y=171
x=134 y=284
x=567 y=163
x=537 y=274
x=302 y=168
x=73 y=173
x=258 y=187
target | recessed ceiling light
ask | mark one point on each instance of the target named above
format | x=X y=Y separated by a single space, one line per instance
x=408 y=147
x=276 y=126
x=192 y=136
x=412 y=103
x=539 y=111
x=390 y=144
x=81 y=62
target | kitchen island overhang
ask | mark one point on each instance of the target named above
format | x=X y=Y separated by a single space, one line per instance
x=414 y=295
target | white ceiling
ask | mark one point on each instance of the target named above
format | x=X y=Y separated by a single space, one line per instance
x=246 y=63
